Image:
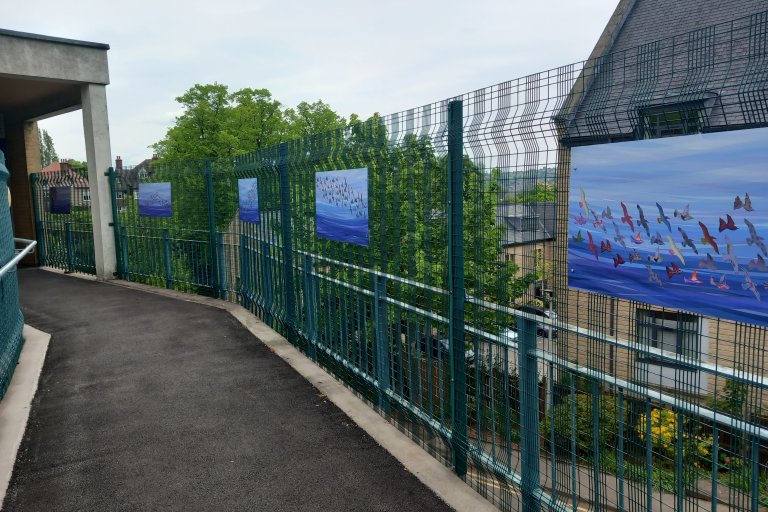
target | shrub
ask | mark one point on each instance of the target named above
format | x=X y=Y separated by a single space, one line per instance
x=732 y=399
x=503 y=418
x=697 y=444
x=584 y=429
x=663 y=431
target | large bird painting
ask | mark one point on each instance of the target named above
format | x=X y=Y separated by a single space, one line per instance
x=698 y=242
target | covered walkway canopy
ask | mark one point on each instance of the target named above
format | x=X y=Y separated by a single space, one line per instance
x=41 y=77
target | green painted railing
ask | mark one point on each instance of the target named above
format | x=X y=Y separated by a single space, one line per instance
x=65 y=240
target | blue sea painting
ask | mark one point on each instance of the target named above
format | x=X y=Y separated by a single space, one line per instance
x=341 y=205
x=248 y=193
x=678 y=222
x=61 y=199
x=155 y=199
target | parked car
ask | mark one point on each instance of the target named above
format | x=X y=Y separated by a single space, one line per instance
x=542 y=329
x=440 y=347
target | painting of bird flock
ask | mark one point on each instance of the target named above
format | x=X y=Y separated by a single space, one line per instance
x=155 y=200
x=678 y=222
x=248 y=199
x=341 y=205
x=60 y=200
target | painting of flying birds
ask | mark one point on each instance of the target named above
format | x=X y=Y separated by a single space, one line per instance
x=662 y=221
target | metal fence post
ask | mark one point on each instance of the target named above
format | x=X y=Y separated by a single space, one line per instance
x=596 y=442
x=69 y=247
x=382 y=343
x=38 y=224
x=222 y=266
x=285 y=224
x=310 y=308
x=755 y=470
x=245 y=272
x=459 y=440
x=267 y=291
x=115 y=221
x=529 y=414
x=124 y=247
x=167 y=259
x=212 y=230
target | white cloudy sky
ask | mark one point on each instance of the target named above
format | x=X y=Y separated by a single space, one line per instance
x=358 y=56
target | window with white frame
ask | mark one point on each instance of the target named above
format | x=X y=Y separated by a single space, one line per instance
x=675 y=333
x=683 y=338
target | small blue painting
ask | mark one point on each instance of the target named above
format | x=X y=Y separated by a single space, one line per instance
x=248 y=191
x=679 y=222
x=341 y=205
x=61 y=199
x=155 y=200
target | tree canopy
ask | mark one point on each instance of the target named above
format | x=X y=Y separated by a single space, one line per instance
x=540 y=193
x=218 y=124
x=408 y=212
x=47 y=150
x=311 y=118
x=408 y=191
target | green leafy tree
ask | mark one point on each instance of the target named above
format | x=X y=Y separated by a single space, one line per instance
x=77 y=164
x=311 y=118
x=202 y=130
x=47 y=150
x=541 y=193
x=217 y=124
x=256 y=120
x=408 y=218
x=414 y=211
x=408 y=190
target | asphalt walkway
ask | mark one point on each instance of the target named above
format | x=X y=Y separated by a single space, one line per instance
x=152 y=403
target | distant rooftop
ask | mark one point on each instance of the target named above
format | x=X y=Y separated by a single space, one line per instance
x=51 y=39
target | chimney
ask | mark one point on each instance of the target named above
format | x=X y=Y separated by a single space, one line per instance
x=155 y=157
x=118 y=164
x=64 y=165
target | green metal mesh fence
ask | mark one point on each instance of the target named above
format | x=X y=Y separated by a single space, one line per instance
x=374 y=315
x=172 y=252
x=456 y=320
x=64 y=232
x=11 y=320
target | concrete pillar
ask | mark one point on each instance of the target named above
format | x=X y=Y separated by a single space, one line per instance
x=99 y=156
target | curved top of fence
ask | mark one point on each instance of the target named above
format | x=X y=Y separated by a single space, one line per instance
x=594 y=100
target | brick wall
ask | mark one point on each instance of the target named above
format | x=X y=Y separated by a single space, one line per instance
x=23 y=144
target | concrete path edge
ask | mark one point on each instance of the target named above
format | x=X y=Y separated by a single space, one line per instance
x=440 y=479
x=17 y=402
